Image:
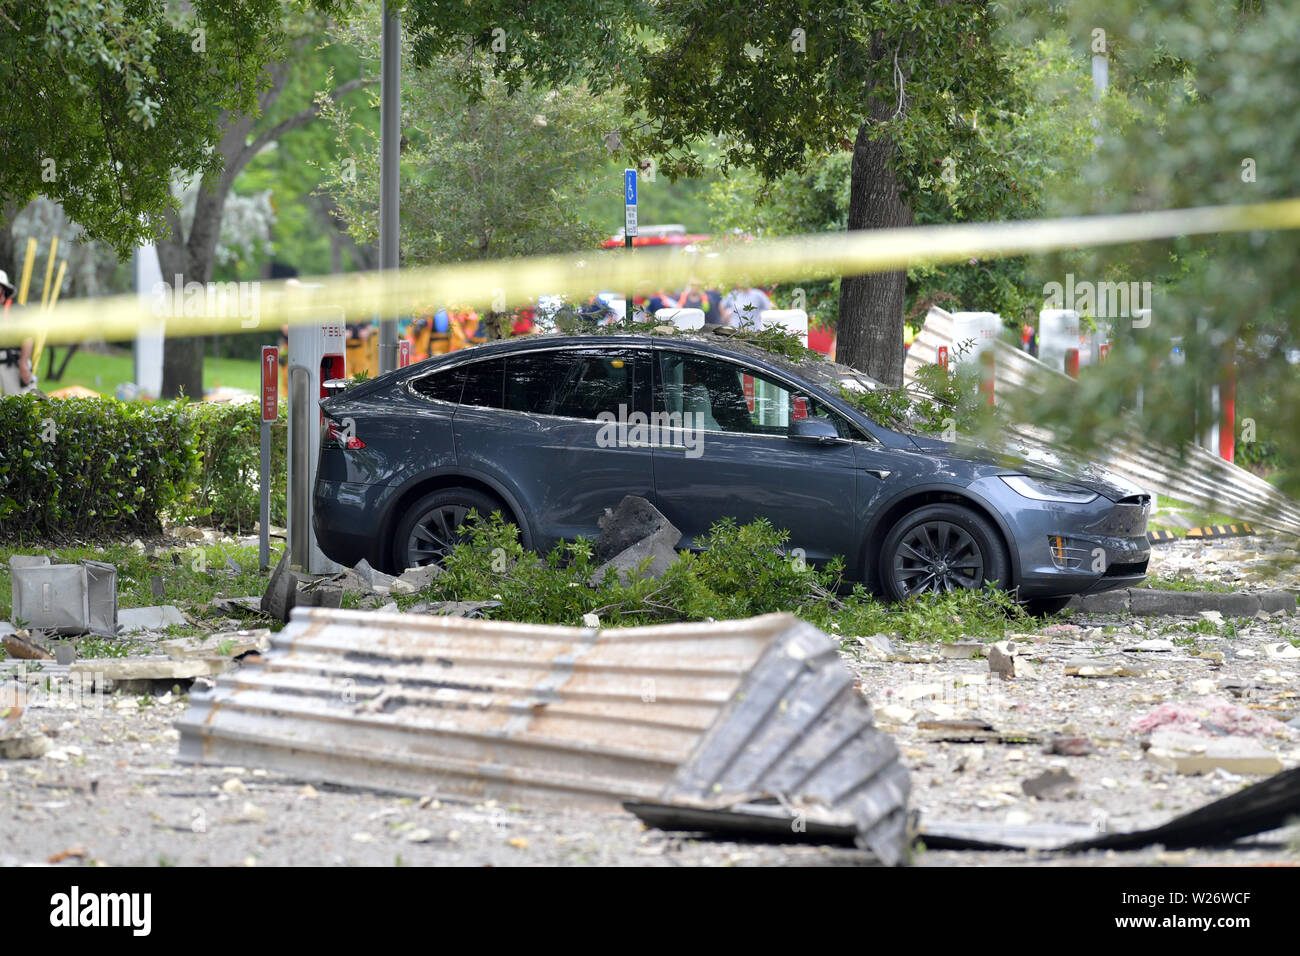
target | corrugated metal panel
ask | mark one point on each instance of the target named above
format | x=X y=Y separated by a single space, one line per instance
x=477 y=709
x=1196 y=476
x=798 y=734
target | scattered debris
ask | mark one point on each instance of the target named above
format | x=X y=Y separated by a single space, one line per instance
x=1047 y=783
x=1070 y=746
x=1191 y=753
x=1089 y=668
x=1005 y=659
x=24 y=746
x=1207 y=717
x=134 y=619
x=228 y=645
x=22 y=645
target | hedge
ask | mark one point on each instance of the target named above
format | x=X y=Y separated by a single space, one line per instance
x=90 y=467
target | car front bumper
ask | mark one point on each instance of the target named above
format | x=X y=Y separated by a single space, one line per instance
x=1065 y=548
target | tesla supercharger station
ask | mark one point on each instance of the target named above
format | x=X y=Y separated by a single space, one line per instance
x=1058 y=332
x=973 y=334
x=317 y=353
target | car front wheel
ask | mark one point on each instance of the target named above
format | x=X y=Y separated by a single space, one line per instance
x=435 y=524
x=940 y=548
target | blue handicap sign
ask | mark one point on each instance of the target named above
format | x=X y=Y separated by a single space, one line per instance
x=629 y=186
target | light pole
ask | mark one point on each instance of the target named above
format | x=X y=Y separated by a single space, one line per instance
x=390 y=135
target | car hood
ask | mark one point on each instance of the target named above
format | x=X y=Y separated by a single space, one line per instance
x=1037 y=460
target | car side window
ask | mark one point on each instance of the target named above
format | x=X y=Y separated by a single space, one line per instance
x=444 y=386
x=602 y=380
x=484 y=384
x=724 y=397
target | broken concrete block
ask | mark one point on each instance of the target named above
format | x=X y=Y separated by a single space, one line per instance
x=1190 y=754
x=322 y=596
x=147 y=668
x=875 y=647
x=281 y=591
x=1088 y=668
x=228 y=644
x=375 y=580
x=1047 y=784
x=1004 y=660
x=24 y=746
x=634 y=520
x=657 y=550
x=1106 y=602
x=150 y=618
x=961 y=651
x=892 y=714
x=415 y=579
x=1282 y=651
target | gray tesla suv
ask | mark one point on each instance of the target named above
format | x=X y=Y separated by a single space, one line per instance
x=552 y=430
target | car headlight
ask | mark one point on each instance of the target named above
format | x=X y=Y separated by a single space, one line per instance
x=1042 y=489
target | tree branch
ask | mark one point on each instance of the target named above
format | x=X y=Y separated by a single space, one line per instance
x=301 y=118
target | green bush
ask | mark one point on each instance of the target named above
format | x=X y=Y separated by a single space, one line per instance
x=226 y=491
x=91 y=466
x=743 y=570
x=99 y=467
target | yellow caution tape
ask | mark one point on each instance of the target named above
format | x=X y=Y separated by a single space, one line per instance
x=502 y=284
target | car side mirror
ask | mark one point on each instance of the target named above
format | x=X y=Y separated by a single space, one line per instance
x=813 y=429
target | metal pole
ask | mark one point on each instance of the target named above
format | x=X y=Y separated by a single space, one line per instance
x=300 y=412
x=264 y=506
x=629 y=314
x=390 y=134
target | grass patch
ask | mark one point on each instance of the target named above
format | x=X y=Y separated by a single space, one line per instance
x=103 y=373
x=192 y=574
x=1185 y=584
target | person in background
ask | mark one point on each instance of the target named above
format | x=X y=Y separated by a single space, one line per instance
x=694 y=297
x=660 y=300
x=744 y=308
x=15 y=361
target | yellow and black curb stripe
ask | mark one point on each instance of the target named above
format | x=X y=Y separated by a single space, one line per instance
x=1221 y=531
x=1202 y=534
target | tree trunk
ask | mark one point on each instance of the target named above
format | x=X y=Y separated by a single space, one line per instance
x=870 y=332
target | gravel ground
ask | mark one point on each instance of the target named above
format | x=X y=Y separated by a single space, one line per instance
x=110 y=792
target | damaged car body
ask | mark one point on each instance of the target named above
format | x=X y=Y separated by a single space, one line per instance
x=552 y=430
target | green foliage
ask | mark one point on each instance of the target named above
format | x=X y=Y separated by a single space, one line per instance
x=496 y=171
x=1210 y=114
x=943 y=401
x=741 y=571
x=92 y=466
x=226 y=494
x=100 y=467
x=104 y=101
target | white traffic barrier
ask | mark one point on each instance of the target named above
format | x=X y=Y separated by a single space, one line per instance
x=685 y=319
x=793 y=320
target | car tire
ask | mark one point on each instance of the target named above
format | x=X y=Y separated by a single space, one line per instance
x=430 y=528
x=942 y=547
x=1046 y=607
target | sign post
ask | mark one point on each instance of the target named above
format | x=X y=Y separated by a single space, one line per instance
x=270 y=412
x=629 y=225
x=403 y=353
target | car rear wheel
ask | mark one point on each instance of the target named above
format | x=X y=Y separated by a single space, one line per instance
x=436 y=523
x=940 y=548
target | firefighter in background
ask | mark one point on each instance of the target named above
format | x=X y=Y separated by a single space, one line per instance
x=15 y=361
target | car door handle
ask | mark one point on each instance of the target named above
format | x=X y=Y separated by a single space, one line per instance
x=878 y=472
